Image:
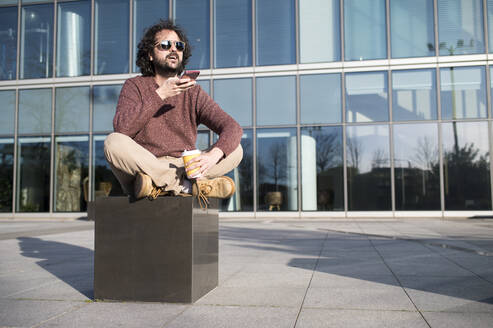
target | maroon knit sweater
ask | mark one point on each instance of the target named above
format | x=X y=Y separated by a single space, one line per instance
x=168 y=127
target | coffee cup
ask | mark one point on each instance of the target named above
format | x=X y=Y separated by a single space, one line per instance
x=187 y=155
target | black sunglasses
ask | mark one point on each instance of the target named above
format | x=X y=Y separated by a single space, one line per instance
x=166 y=45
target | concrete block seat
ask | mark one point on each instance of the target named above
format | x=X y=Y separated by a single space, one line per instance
x=164 y=250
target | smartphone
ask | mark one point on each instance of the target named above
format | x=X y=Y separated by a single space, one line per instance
x=190 y=74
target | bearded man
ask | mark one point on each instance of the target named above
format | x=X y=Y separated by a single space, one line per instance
x=156 y=120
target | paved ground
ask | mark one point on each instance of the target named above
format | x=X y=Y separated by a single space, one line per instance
x=273 y=273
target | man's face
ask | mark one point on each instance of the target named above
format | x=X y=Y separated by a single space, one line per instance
x=170 y=60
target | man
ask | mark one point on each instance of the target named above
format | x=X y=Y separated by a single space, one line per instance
x=156 y=120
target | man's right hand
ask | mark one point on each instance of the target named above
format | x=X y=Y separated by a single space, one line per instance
x=174 y=86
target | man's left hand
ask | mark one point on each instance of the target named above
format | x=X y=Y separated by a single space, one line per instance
x=206 y=160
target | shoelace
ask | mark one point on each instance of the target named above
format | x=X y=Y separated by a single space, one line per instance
x=154 y=193
x=203 y=191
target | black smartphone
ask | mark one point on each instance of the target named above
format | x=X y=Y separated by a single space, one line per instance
x=192 y=75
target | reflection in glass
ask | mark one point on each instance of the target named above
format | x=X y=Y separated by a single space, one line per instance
x=71 y=169
x=414 y=95
x=35 y=111
x=276 y=100
x=74 y=38
x=277 y=183
x=463 y=92
x=320 y=97
x=232 y=33
x=365 y=34
x=460 y=27
x=235 y=98
x=275 y=32
x=242 y=175
x=193 y=16
x=202 y=141
x=411 y=28
x=104 y=106
x=33 y=175
x=205 y=85
x=416 y=167
x=6 y=173
x=466 y=166
x=7 y=112
x=8 y=42
x=490 y=24
x=104 y=181
x=72 y=109
x=146 y=13
x=315 y=14
x=36 y=59
x=111 y=36
x=322 y=174
x=368 y=168
x=367 y=97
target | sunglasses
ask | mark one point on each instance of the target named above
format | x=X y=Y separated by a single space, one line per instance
x=166 y=45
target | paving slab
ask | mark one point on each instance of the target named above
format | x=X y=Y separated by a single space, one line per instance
x=459 y=320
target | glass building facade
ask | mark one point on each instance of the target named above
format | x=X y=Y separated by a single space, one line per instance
x=349 y=107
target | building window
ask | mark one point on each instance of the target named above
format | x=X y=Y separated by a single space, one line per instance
x=235 y=98
x=6 y=173
x=416 y=167
x=35 y=111
x=367 y=97
x=104 y=106
x=490 y=25
x=232 y=33
x=277 y=178
x=104 y=181
x=276 y=100
x=414 y=95
x=36 y=41
x=275 y=32
x=365 y=35
x=322 y=173
x=71 y=169
x=411 y=28
x=368 y=168
x=72 y=110
x=463 y=92
x=460 y=27
x=7 y=112
x=321 y=98
x=466 y=166
x=111 y=36
x=194 y=17
x=242 y=175
x=146 y=13
x=8 y=42
x=320 y=35
x=74 y=38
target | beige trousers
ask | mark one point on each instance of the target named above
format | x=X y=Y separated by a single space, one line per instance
x=127 y=158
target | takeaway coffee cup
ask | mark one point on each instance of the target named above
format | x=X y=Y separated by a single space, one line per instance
x=187 y=155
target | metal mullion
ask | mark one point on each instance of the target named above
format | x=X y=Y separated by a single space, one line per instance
x=254 y=143
x=298 y=143
x=55 y=30
x=387 y=25
x=18 y=54
x=91 y=164
x=15 y=161
x=344 y=140
x=488 y=91
x=440 y=147
x=130 y=37
x=435 y=27
x=170 y=10
x=93 y=36
x=485 y=26
x=211 y=34
x=52 y=152
x=391 y=144
x=341 y=27
x=297 y=32
x=254 y=36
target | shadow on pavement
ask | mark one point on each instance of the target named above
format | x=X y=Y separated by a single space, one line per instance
x=72 y=264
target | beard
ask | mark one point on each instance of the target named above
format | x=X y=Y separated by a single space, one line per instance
x=162 y=67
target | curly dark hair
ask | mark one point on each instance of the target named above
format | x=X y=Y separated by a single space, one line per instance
x=146 y=46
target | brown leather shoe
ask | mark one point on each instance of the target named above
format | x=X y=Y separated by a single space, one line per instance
x=220 y=187
x=143 y=187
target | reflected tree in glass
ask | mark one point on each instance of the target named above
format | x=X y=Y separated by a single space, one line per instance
x=466 y=166
x=8 y=43
x=71 y=169
x=368 y=168
x=33 y=191
x=416 y=167
x=6 y=173
x=103 y=177
x=277 y=170
x=35 y=111
x=322 y=169
x=72 y=109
